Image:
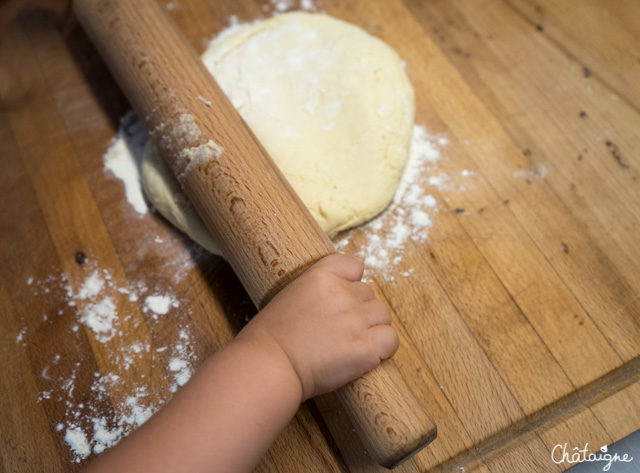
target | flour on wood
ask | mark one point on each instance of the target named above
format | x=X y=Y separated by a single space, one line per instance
x=102 y=309
x=123 y=158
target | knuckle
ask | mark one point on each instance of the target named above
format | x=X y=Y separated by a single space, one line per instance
x=320 y=278
x=353 y=262
x=315 y=273
x=379 y=306
x=328 y=286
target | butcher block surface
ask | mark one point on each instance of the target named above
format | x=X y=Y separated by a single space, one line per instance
x=519 y=319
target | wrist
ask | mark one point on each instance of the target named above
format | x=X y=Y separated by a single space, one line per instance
x=277 y=362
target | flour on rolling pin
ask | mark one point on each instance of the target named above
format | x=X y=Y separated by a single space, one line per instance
x=189 y=158
x=185 y=130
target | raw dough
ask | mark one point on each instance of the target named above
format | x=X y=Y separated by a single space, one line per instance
x=331 y=104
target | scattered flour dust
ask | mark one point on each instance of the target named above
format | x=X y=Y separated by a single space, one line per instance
x=103 y=307
x=193 y=157
x=408 y=217
x=20 y=336
x=181 y=369
x=381 y=242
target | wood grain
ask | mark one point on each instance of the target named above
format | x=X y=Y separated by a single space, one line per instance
x=531 y=286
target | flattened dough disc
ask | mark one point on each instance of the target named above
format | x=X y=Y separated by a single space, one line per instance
x=331 y=104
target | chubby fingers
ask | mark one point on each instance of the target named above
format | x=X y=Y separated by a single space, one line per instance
x=383 y=340
x=349 y=267
x=361 y=291
x=376 y=313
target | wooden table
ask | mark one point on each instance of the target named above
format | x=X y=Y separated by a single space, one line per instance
x=520 y=325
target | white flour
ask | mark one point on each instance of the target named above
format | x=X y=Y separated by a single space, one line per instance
x=381 y=242
x=20 y=336
x=78 y=442
x=190 y=158
x=160 y=304
x=123 y=158
x=100 y=318
x=85 y=426
x=181 y=370
x=92 y=286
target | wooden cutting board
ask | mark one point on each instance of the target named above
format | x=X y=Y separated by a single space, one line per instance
x=521 y=320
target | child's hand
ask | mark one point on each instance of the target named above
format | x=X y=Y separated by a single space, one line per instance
x=323 y=330
x=329 y=325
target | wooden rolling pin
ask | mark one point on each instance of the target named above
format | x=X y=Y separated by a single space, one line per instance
x=263 y=228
